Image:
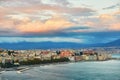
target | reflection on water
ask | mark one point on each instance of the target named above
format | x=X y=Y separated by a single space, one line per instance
x=104 y=70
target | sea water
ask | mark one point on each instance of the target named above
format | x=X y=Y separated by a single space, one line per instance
x=97 y=70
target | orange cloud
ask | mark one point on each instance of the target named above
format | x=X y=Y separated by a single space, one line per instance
x=8 y=24
x=53 y=24
x=106 y=17
x=117 y=13
x=90 y=24
x=21 y=22
x=115 y=26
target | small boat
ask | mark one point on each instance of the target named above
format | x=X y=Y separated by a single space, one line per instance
x=19 y=72
x=22 y=69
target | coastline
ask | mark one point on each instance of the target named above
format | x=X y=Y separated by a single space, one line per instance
x=69 y=71
x=23 y=68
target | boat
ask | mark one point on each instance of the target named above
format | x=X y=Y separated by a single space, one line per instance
x=22 y=69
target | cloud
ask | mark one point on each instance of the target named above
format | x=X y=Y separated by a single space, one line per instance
x=115 y=26
x=56 y=23
x=111 y=21
x=106 y=17
x=103 y=22
x=112 y=6
x=35 y=16
x=19 y=3
x=62 y=2
x=56 y=18
x=38 y=39
x=33 y=6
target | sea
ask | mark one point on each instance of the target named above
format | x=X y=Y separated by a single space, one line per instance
x=95 y=70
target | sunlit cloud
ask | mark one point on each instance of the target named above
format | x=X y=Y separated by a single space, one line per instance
x=115 y=26
x=53 y=24
x=58 y=17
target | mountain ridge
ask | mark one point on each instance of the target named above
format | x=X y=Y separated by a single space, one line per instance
x=55 y=45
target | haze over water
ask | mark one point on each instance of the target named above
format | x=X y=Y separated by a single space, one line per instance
x=102 y=70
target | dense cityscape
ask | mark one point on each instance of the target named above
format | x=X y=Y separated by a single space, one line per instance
x=12 y=58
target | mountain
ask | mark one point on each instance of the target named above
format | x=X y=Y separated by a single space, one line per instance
x=42 y=45
x=113 y=43
x=54 y=45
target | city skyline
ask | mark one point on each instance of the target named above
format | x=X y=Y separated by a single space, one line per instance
x=76 y=21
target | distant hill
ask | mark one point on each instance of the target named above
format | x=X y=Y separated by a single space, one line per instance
x=113 y=43
x=41 y=45
x=54 y=45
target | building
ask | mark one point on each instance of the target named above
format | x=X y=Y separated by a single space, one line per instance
x=66 y=53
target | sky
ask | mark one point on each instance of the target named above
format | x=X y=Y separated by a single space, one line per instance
x=77 y=21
